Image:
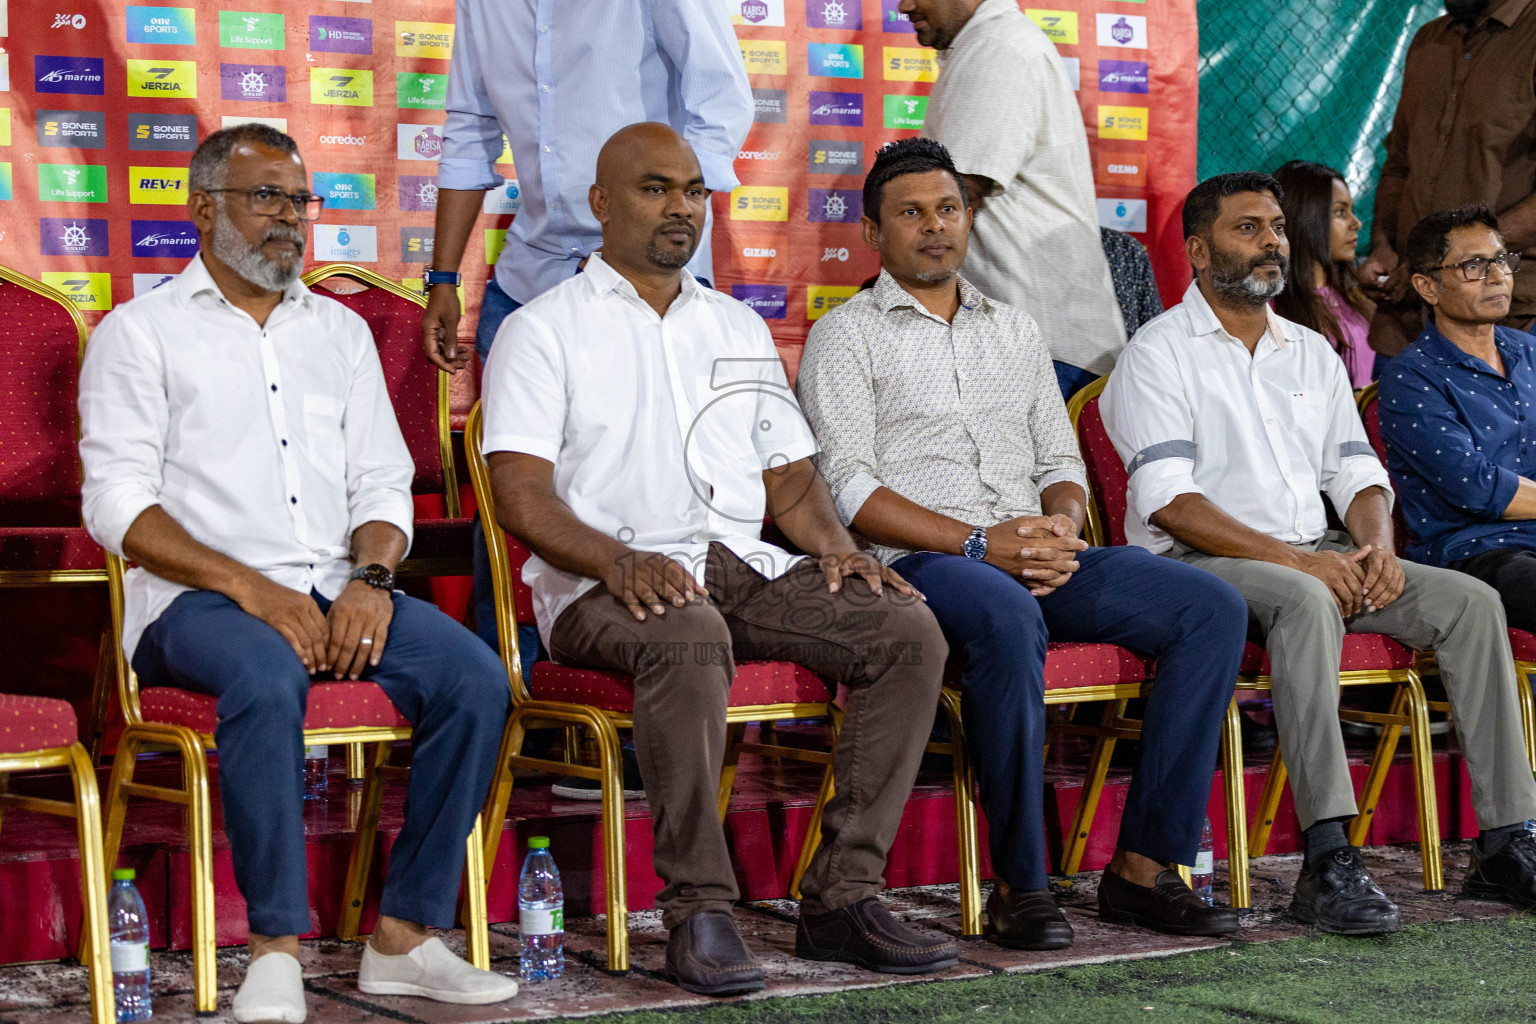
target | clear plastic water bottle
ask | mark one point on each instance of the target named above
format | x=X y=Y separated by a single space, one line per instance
x=316 y=760
x=540 y=914
x=1205 y=864
x=128 y=926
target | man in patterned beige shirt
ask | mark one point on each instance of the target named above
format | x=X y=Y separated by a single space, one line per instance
x=946 y=444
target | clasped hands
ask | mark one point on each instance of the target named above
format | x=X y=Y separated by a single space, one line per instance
x=345 y=641
x=1366 y=580
x=1040 y=550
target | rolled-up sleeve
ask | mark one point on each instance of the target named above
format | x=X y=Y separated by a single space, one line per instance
x=1149 y=420
x=471 y=132
x=837 y=394
x=522 y=393
x=696 y=38
x=1057 y=459
x=379 y=466
x=124 y=416
x=1423 y=430
x=1349 y=464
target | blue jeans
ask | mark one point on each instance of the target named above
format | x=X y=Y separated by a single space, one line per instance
x=1072 y=379
x=452 y=690
x=1193 y=624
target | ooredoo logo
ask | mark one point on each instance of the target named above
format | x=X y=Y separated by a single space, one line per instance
x=758 y=154
x=343 y=140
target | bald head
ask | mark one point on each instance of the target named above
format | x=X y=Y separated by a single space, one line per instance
x=649 y=197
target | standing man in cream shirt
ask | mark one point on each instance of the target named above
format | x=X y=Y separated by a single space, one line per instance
x=1005 y=110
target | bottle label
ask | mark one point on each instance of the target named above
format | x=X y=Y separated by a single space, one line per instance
x=541 y=920
x=317 y=751
x=1205 y=862
x=130 y=957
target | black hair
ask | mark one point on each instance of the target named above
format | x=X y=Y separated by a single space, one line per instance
x=209 y=164
x=1203 y=203
x=1308 y=209
x=915 y=155
x=1429 y=240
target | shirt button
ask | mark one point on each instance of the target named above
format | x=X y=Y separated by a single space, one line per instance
x=551 y=206
x=543 y=88
x=274 y=387
x=285 y=442
x=546 y=149
x=293 y=501
x=543 y=28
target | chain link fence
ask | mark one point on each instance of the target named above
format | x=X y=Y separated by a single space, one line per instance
x=1304 y=80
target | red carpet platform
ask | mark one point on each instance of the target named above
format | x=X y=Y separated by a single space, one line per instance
x=769 y=814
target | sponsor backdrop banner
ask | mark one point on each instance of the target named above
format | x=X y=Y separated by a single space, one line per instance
x=101 y=105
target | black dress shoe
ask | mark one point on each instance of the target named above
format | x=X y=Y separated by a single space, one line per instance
x=705 y=954
x=1339 y=897
x=1508 y=876
x=1168 y=906
x=866 y=934
x=1026 y=919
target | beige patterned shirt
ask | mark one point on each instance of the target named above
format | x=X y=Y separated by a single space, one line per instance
x=965 y=419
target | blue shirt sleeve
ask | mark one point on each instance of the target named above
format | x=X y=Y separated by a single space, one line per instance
x=471 y=131
x=696 y=38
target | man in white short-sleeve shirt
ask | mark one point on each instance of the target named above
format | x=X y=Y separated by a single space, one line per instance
x=1004 y=108
x=1232 y=423
x=638 y=427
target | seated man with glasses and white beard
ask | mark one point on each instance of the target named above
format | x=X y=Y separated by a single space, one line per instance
x=239 y=446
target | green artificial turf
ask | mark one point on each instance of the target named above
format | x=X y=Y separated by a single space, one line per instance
x=1461 y=972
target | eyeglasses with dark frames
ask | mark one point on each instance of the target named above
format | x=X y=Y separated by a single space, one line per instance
x=1478 y=267
x=268 y=201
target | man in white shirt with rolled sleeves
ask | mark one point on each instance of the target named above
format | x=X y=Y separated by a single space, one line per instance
x=239 y=446
x=1231 y=420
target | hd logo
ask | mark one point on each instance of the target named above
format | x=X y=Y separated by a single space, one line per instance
x=163 y=79
x=760 y=202
x=157 y=186
x=341 y=87
x=86 y=291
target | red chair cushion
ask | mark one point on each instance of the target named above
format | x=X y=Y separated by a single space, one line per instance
x=757 y=682
x=30 y=724
x=1073 y=665
x=331 y=706
x=1362 y=652
x=39 y=463
x=1107 y=478
x=1523 y=644
x=48 y=548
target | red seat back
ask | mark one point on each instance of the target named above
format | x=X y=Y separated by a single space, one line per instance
x=1370 y=415
x=1107 y=478
x=39 y=371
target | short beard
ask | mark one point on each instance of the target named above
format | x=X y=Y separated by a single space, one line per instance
x=1465 y=10
x=671 y=259
x=236 y=252
x=935 y=276
x=1233 y=279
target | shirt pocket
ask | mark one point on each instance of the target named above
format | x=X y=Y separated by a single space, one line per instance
x=323 y=438
x=1310 y=416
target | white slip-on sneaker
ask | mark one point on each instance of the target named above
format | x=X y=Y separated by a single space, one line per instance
x=273 y=989
x=431 y=970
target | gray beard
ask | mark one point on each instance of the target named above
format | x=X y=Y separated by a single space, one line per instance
x=935 y=276
x=238 y=254
x=1248 y=290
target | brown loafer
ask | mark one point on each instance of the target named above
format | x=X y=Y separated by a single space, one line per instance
x=1168 y=906
x=866 y=934
x=705 y=954
x=1026 y=919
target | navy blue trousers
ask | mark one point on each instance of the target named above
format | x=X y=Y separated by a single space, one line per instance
x=451 y=688
x=1192 y=622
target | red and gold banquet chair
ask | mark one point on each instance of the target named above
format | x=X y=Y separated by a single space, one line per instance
x=40 y=732
x=1368 y=659
x=1522 y=643
x=42 y=543
x=340 y=713
x=600 y=703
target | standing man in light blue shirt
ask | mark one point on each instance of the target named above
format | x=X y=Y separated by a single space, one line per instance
x=559 y=77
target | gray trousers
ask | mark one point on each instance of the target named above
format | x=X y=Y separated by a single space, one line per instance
x=1440 y=610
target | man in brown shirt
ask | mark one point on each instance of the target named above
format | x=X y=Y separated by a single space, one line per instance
x=1465 y=131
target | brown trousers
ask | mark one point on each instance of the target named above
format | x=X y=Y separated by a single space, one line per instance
x=887 y=649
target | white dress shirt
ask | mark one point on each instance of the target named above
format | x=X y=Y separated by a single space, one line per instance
x=659 y=428
x=268 y=444
x=558 y=77
x=1191 y=412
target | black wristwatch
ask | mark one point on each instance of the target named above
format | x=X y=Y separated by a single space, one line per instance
x=975 y=545
x=375 y=575
x=431 y=277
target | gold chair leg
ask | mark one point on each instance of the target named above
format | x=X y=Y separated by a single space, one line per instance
x=1269 y=806
x=612 y=762
x=194 y=770
x=1237 y=815
x=101 y=694
x=363 y=840
x=965 y=821
x=123 y=764
x=734 y=733
x=1424 y=786
x=357 y=762
x=823 y=797
x=95 y=950
x=493 y=817
x=476 y=927
x=1523 y=673
x=1093 y=788
x=1381 y=763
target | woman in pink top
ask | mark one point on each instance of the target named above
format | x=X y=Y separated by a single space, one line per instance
x=1321 y=290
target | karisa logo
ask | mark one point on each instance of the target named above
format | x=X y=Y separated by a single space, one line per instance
x=1122 y=32
x=428 y=144
x=834 y=253
x=754 y=11
x=68 y=21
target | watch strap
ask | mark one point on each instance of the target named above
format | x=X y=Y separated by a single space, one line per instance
x=431 y=277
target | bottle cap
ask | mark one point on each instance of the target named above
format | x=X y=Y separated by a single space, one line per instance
x=122 y=874
x=538 y=843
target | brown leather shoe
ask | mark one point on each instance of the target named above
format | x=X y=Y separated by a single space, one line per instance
x=866 y=934
x=1168 y=906
x=705 y=954
x=1026 y=919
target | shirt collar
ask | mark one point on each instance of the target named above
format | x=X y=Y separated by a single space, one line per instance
x=972 y=30
x=1434 y=344
x=1203 y=320
x=195 y=280
x=1508 y=12
x=889 y=295
x=604 y=279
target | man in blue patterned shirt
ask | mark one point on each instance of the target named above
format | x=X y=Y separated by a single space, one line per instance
x=1458 y=412
x=947 y=446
